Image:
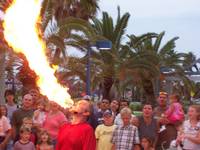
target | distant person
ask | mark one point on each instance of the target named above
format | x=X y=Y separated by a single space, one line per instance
x=54 y=120
x=147 y=144
x=104 y=105
x=174 y=113
x=168 y=131
x=28 y=122
x=104 y=131
x=25 y=111
x=24 y=142
x=125 y=136
x=44 y=142
x=35 y=96
x=10 y=103
x=190 y=135
x=77 y=135
x=114 y=106
x=147 y=125
x=5 y=129
x=39 y=115
x=123 y=104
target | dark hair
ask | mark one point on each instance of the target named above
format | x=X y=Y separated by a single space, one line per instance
x=124 y=100
x=147 y=103
x=148 y=139
x=9 y=92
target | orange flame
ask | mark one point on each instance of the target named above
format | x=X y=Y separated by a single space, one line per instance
x=21 y=33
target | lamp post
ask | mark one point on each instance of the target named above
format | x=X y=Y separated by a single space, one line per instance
x=101 y=45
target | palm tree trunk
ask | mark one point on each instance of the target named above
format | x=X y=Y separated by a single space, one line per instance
x=149 y=91
x=108 y=82
x=2 y=76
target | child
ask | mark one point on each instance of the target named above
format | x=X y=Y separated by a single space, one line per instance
x=5 y=129
x=125 y=136
x=28 y=122
x=44 y=142
x=39 y=115
x=175 y=111
x=104 y=131
x=24 y=143
x=147 y=143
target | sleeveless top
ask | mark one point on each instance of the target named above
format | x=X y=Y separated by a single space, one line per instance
x=149 y=130
x=192 y=131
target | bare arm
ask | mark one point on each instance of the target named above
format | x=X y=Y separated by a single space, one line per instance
x=195 y=140
x=113 y=147
x=7 y=138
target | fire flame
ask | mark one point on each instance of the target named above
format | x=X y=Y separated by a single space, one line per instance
x=22 y=34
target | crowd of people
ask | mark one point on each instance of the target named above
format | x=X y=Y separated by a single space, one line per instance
x=108 y=125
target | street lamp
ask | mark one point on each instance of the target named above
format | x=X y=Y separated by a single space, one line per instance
x=101 y=45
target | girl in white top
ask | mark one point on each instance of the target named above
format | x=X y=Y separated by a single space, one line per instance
x=190 y=136
x=5 y=130
x=39 y=115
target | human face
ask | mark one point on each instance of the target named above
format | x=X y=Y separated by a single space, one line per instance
x=105 y=104
x=123 y=105
x=162 y=100
x=108 y=120
x=27 y=101
x=40 y=106
x=28 y=123
x=25 y=136
x=145 y=143
x=10 y=98
x=44 y=137
x=3 y=110
x=192 y=113
x=114 y=105
x=126 y=119
x=34 y=94
x=172 y=99
x=54 y=106
x=147 y=111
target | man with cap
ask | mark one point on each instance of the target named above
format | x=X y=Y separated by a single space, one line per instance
x=104 y=131
x=78 y=135
x=167 y=131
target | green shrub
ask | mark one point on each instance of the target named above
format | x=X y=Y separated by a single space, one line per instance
x=136 y=106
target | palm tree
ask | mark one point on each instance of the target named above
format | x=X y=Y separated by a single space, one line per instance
x=161 y=58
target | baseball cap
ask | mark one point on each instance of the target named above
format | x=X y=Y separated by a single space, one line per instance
x=87 y=97
x=107 y=113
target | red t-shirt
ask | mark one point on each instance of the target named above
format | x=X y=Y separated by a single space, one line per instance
x=76 y=137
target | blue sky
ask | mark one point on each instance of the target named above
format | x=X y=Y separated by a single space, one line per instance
x=177 y=17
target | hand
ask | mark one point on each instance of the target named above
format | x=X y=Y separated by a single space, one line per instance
x=163 y=121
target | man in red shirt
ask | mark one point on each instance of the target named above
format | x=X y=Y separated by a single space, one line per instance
x=78 y=135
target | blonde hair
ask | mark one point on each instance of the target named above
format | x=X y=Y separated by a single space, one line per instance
x=27 y=119
x=126 y=111
x=24 y=129
x=42 y=132
x=197 y=108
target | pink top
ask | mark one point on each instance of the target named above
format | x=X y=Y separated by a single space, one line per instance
x=53 y=123
x=175 y=112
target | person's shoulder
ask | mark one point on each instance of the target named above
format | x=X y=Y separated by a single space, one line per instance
x=100 y=126
x=133 y=127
